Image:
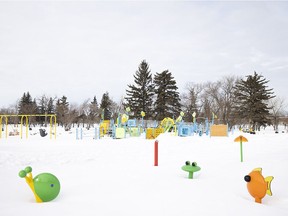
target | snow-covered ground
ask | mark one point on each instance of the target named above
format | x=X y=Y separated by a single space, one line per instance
x=118 y=177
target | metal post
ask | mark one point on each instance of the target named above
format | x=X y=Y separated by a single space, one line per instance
x=156 y=153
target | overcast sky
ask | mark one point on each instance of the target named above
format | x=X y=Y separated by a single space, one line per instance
x=81 y=49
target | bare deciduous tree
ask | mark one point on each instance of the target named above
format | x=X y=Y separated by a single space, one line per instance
x=211 y=97
x=83 y=112
x=191 y=100
x=277 y=105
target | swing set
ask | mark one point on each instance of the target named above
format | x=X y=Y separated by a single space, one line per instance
x=26 y=117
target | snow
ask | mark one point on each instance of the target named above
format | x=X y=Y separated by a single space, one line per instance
x=118 y=177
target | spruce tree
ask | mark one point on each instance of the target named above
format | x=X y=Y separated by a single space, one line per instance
x=140 y=95
x=93 y=115
x=46 y=107
x=168 y=100
x=50 y=106
x=62 y=109
x=26 y=104
x=252 y=97
x=42 y=108
x=106 y=106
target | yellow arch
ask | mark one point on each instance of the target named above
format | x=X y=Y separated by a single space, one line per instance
x=167 y=123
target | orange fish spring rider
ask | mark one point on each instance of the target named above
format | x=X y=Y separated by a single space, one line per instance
x=257 y=185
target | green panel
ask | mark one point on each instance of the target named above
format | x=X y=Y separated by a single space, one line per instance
x=120 y=133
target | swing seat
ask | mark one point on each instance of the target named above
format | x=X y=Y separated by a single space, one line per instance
x=43 y=132
x=14 y=133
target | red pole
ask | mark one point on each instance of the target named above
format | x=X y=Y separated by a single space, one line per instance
x=156 y=153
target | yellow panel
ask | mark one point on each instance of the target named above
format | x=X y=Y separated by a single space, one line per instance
x=152 y=133
x=104 y=127
x=219 y=130
x=149 y=133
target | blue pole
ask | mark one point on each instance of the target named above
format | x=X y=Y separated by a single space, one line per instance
x=207 y=126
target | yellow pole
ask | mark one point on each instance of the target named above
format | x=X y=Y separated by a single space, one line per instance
x=1 y=127
x=175 y=129
x=51 y=126
x=55 y=126
x=6 y=127
x=21 y=123
x=27 y=126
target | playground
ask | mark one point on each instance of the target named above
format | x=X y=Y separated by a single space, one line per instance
x=118 y=177
x=125 y=127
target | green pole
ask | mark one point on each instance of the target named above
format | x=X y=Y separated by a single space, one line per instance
x=241 y=150
x=190 y=175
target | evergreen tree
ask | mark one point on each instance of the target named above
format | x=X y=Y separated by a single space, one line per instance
x=42 y=105
x=25 y=104
x=50 y=106
x=140 y=95
x=252 y=96
x=106 y=106
x=93 y=115
x=45 y=106
x=42 y=108
x=168 y=101
x=34 y=110
x=62 y=109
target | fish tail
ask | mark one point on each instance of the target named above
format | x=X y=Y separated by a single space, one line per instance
x=268 y=180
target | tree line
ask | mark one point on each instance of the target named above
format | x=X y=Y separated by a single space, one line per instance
x=230 y=100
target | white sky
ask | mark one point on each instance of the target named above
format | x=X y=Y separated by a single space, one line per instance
x=81 y=49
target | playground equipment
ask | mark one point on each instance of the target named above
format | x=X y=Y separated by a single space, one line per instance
x=119 y=131
x=189 y=129
x=241 y=139
x=26 y=117
x=219 y=130
x=134 y=129
x=190 y=168
x=185 y=129
x=199 y=125
x=43 y=132
x=152 y=133
x=142 y=118
x=104 y=128
x=257 y=185
x=199 y=128
x=81 y=132
x=125 y=126
x=44 y=186
x=165 y=126
x=15 y=132
x=202 y=126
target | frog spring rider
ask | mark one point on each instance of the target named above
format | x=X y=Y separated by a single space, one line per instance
x=45 y=186
x=190 y=168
